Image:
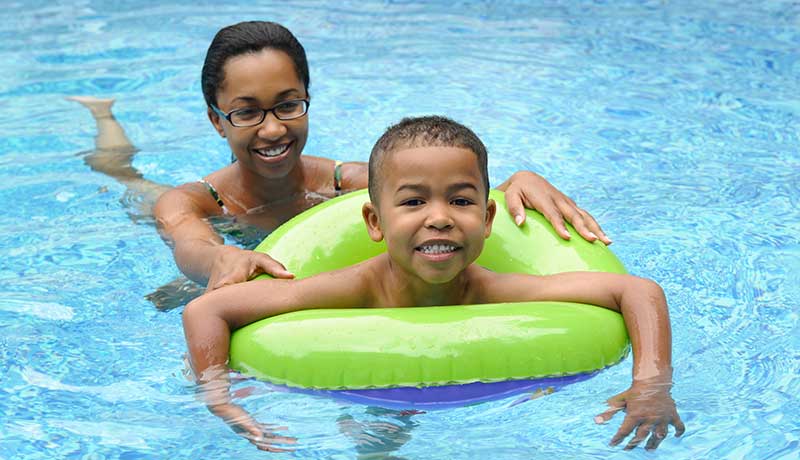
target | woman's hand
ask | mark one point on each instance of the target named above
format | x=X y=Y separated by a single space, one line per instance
x=525 y=189
x=259 y=434
x=649 y=410
x=234 y=265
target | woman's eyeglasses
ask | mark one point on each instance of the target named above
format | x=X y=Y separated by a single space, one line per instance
x=252 y=116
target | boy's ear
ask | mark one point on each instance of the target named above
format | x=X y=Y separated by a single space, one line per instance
x=491 y=210
x=371 y=218
x=213 y=117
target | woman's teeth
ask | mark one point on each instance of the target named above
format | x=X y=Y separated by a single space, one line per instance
x=272 y=152
x=437 y=249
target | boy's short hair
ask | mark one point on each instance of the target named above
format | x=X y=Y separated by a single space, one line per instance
x=426 y=131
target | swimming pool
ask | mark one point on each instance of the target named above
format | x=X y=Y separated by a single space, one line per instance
x=675 y=124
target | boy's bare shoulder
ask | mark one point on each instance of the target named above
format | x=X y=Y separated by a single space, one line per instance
x=356 y=284
x=487 y=286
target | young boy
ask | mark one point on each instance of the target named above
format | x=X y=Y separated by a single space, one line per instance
x=429 y=187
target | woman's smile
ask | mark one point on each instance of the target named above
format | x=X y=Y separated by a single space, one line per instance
x=274 y=154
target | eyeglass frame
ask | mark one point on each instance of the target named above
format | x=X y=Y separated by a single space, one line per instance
x=264 y=112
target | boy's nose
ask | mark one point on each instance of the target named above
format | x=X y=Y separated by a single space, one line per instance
x=271 y=128
x=438 y=218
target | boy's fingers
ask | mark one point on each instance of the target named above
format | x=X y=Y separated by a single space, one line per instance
x=273 y=439
x=265 y=441
x=269 y=448
x=270 y=428
x=266 y=444
x=616 y=403
x=680 y=428
x=658 y=435
x=641 y=435
x=607 y=415
x=624 y=430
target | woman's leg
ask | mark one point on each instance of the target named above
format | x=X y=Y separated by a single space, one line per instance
x=113 y=156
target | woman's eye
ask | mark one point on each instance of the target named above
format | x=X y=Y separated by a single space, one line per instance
x=246 y=114
x=289 y=107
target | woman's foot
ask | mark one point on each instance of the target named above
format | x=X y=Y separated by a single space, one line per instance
x=100 y=108
x=110 y=134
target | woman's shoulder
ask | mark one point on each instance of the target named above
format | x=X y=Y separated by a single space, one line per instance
x=190 y=198
x=341 y=175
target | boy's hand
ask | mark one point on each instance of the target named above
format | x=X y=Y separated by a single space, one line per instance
x=259 y=434
x=649 y=410
x=233 y=265
x=525 y=189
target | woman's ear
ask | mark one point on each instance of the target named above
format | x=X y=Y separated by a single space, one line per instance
x=213 y=117
x=370 y=214
x=491 y=210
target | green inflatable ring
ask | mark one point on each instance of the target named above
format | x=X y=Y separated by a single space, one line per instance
x=428 y=346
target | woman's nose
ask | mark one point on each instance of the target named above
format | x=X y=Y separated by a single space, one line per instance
x=271 y=128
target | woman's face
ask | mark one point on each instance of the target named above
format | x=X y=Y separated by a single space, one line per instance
x=262 y=80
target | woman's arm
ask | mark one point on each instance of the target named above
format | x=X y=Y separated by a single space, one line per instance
x=199 y=251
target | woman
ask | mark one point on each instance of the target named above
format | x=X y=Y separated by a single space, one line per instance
x=255 y=81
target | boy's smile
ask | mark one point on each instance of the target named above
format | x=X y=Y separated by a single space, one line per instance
x=432 y=211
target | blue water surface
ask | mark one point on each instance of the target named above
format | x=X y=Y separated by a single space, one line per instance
x=676 y=124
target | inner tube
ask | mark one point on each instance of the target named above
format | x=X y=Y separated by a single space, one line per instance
x=430 y=357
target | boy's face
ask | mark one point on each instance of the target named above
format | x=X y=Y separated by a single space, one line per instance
x=432 y=211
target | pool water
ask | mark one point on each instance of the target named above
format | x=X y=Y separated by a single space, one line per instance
x=676 y=124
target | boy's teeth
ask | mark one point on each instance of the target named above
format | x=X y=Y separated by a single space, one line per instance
x=437 y=248
x=273 y=152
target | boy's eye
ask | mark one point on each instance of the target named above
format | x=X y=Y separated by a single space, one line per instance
x=461 y=202
x=413 y=202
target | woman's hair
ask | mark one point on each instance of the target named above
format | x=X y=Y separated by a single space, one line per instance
x=425 y=131
x=249 y=37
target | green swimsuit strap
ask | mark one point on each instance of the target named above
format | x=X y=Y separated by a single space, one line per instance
x=214 y=194
x=337 y=176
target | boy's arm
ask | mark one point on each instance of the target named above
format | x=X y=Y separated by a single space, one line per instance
x=648 y=405
x=209 y=320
